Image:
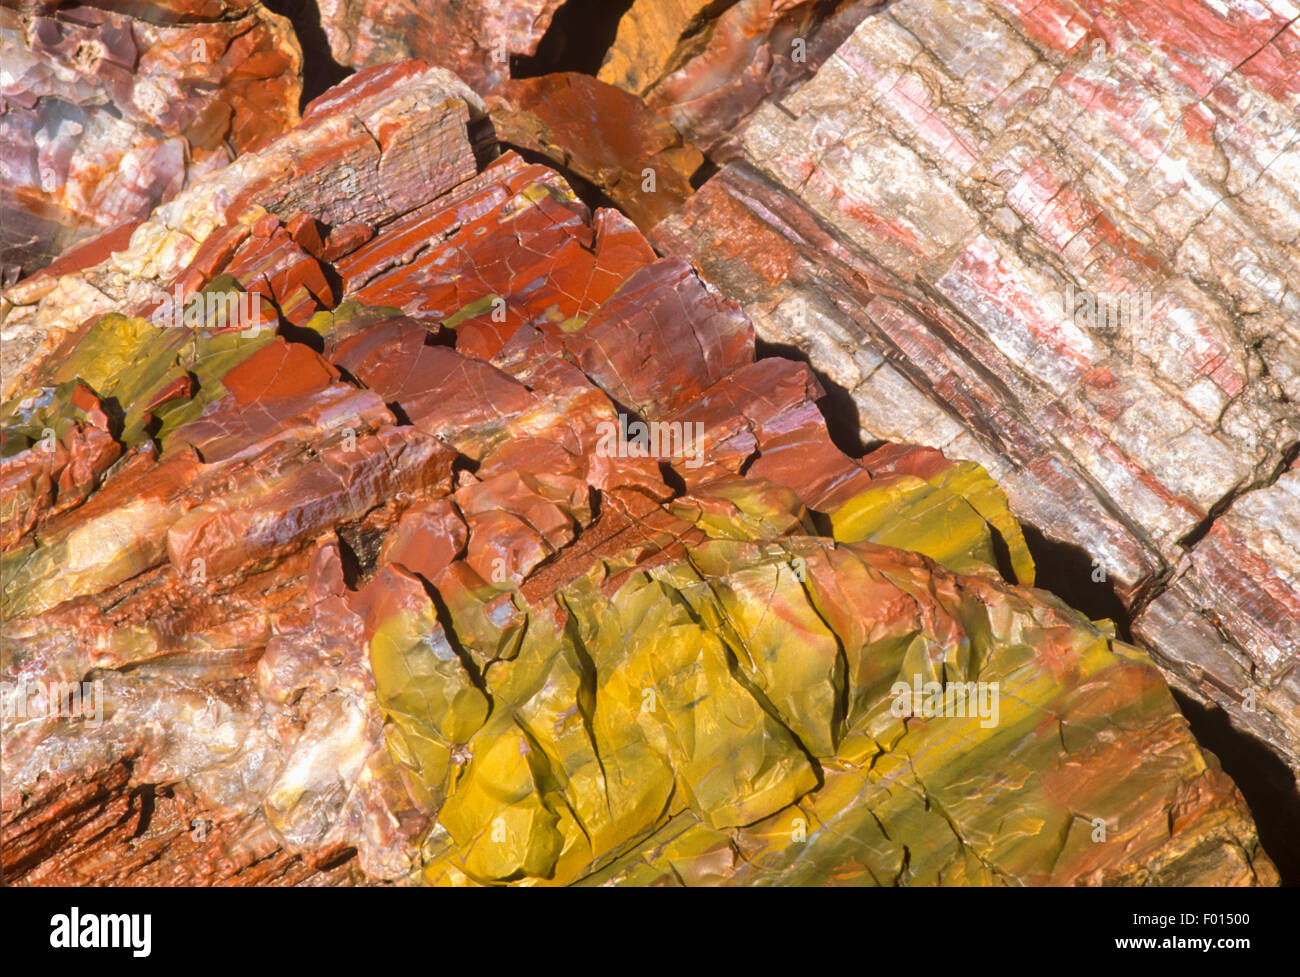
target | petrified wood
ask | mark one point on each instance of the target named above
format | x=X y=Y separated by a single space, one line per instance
x=1061 y=240
x=105 y=113
x=474 y=38
x=489 y=552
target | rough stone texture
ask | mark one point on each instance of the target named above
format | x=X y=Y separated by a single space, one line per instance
x=917 y=218
x=104 y=114
x=648 y=38
x=604 y=136
x=381 y=578
x=110 y=834
x=474 y=38
x=706 y=66
x=351 y=169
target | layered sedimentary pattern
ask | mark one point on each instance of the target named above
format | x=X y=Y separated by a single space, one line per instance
x=384 y=511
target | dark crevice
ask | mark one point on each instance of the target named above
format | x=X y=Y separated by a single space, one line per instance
x=702 y=175
x=1002 y=556
x=1202 y=528
x=590 y=194
x=116 y=414
x=1071 y=573
x=836 y=405
x=1265 y=782
x=320 y=72
x=332 y=278
x=335 y=861
x=463 y=463
x=821 y=522
x=672 y=479
x=483 y=141
x=580 y=34
x=301 y=335
x=351 y=566
x=463 y=651
x=359 y=548
x=399 y=413
x=145 y=795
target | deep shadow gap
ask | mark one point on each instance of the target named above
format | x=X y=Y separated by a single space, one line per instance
x=320 y=72
x=836 y=405
x=1069 y=572
x=580 y=35
x=590 y=194
x=1265 y=782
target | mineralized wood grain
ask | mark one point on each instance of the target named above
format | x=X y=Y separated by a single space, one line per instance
x=379 y=585
x=490 y=551
x=1061 y=241
x=372 y=148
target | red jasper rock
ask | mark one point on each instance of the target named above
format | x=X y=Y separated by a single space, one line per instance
x=602 y=134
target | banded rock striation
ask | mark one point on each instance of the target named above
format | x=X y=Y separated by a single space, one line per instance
x=488 y=552
x=1061 y=240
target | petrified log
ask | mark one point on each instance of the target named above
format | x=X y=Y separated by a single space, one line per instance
x=105 y=114
x=1061 y=241
x=487 y=551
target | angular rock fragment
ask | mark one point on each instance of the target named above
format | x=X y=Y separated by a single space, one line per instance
x=107 y=114
x=705 y=66
x=475 y=39
x=603 y=135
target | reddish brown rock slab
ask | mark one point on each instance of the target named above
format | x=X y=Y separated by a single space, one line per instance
x=662 y=339
x=604 y=135
x=705 y=66
x=475 y=39
x=771 y=403
x=108 y=114
x=559 y=270
x=427 y=539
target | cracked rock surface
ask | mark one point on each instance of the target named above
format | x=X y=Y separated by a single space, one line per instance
x=417 y=499
x=1061 y=241
x=105 y=113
